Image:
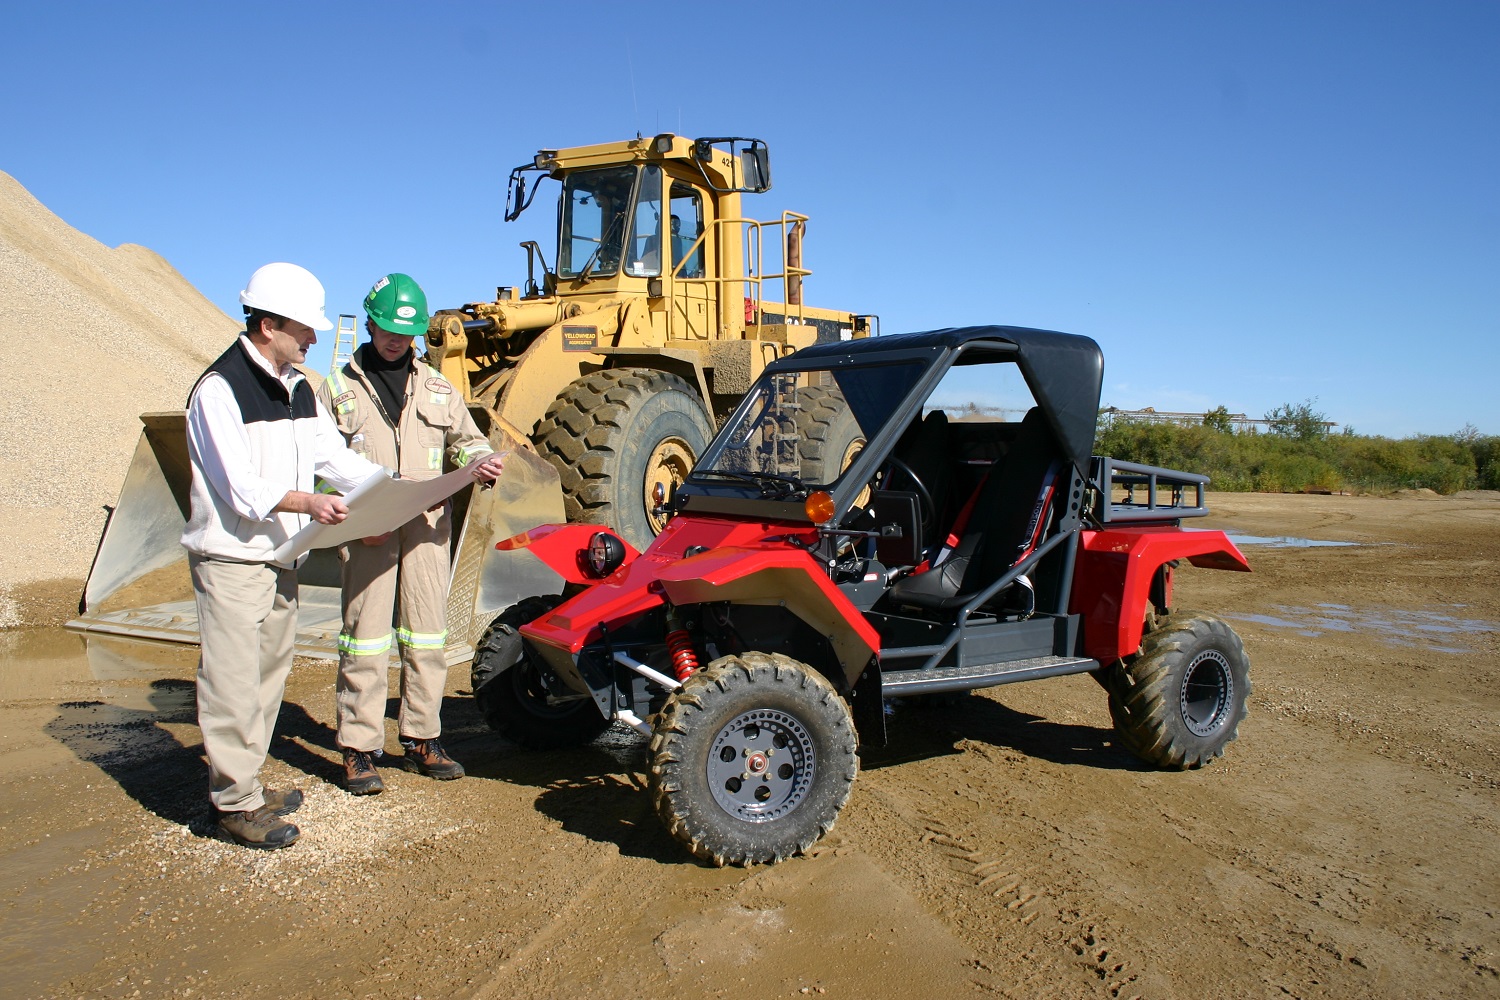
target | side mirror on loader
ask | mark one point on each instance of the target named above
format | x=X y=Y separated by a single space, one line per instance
x=755 y=168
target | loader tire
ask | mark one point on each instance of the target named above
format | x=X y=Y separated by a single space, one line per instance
x=1179 y=702
x=612 y=435
x=752 y=759
x=512 y=698
x=830 y=436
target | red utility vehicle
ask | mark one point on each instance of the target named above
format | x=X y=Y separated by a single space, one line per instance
x=854 y=534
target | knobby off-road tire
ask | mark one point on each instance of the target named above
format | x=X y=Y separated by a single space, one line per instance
x=719 y=728
x=1180 y=701
x=830 y=436
x=510 y=693
x=612 y=435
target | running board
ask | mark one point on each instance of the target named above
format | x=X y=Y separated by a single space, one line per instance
x=904 y=683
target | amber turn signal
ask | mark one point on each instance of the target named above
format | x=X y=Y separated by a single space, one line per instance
x=819 y=507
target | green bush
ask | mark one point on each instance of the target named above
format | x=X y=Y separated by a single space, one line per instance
x=1300 y=459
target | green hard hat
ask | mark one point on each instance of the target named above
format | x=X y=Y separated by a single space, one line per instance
x=397 y=304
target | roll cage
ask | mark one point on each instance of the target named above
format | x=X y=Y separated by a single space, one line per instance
x=1063 y=371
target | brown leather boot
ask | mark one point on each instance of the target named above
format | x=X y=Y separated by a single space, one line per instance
x=360 y=776
x=259 y=828
x=282 y=803
x=428 y=757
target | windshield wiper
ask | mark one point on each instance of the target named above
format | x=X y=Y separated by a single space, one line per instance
x=765 y=481
x=617 y=223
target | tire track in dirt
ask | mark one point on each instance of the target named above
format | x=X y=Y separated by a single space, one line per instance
x=508 y=973
x=1029 y=930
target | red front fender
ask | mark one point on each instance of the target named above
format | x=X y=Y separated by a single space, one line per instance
x=1112 y=580
x=738 y=562
x=780 y=576
x=564 y=548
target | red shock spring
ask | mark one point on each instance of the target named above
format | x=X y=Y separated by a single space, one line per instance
x=680 y=645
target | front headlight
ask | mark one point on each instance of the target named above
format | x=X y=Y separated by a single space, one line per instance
x=605 y=554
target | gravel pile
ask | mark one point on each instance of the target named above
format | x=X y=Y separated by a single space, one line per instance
x=91 y=338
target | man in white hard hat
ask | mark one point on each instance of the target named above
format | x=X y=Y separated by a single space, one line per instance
x=256 y=439
x=397 y=411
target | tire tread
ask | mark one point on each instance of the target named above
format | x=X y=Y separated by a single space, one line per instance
x=1142 y=705
x=676 y=721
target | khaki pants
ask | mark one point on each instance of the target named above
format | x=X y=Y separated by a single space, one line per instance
x=413 y=560
x=247 y=622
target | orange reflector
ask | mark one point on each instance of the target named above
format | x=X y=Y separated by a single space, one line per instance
x=520 y=541
x=819 y=507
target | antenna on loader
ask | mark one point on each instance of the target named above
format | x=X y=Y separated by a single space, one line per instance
x=343 y=343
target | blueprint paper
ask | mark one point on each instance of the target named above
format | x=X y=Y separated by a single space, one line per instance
x=376 y=506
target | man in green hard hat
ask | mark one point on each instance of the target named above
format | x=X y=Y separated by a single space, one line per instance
x=404 y=415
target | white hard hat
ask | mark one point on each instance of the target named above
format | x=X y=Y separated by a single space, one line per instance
x=287 y=290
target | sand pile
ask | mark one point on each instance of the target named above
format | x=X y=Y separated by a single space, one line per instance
x=91 y=338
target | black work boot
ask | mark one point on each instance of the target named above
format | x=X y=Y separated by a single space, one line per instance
x=428 y=757
x=360 y=776
x=282 y=803
x=259 y=828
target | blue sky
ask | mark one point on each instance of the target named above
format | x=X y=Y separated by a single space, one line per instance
x=1245 y=204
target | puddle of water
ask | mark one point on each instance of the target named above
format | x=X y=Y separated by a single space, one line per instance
x=1434 y=631
x=1280 y=541
x=54 y=664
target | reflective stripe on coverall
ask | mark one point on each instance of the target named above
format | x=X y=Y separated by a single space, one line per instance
x=412 y=560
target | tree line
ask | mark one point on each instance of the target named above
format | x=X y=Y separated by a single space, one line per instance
x=1298 y=454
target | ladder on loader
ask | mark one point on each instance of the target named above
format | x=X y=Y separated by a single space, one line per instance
x=343 y=343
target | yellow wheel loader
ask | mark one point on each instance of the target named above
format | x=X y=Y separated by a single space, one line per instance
x=604 y=378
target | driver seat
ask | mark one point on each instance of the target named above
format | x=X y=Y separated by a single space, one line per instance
x=1008 y=517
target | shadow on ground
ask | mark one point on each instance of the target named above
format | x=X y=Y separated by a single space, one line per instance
x=135 y=749
x=919 y=728
x=599 y=790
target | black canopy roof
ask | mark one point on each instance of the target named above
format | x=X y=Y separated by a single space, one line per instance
x=1065 y=371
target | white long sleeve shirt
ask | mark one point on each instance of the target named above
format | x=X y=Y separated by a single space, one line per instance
x=253 y=436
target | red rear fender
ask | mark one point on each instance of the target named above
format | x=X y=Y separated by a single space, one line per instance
x=1112 y=581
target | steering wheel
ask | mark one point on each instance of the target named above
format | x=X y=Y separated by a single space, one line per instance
x=924 y=496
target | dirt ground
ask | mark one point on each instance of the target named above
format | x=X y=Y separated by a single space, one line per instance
x=1003 y=845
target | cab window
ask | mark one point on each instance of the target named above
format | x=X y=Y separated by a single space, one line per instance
x=645 y=237
x=595 y=212
x=686 y=225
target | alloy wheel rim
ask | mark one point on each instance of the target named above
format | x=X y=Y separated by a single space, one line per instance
x=761 y=765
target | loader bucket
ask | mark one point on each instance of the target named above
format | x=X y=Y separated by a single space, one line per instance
x=486 y=580
x=144 y=530
x=139 y=584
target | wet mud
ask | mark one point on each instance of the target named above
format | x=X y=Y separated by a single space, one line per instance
x=1001 y=845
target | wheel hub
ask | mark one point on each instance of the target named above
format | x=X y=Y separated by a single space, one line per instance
x=761 y=765
x=533 y=694
x=1207 y=692
x=669 y=464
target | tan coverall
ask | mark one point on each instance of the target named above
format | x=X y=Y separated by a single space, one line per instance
x=434 y=422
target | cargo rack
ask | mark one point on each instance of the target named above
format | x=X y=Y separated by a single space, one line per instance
x=1150 y=493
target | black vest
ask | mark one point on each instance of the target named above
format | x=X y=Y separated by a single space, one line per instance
x=260 y=395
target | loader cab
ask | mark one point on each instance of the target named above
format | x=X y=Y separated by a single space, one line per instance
x=658 y=218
